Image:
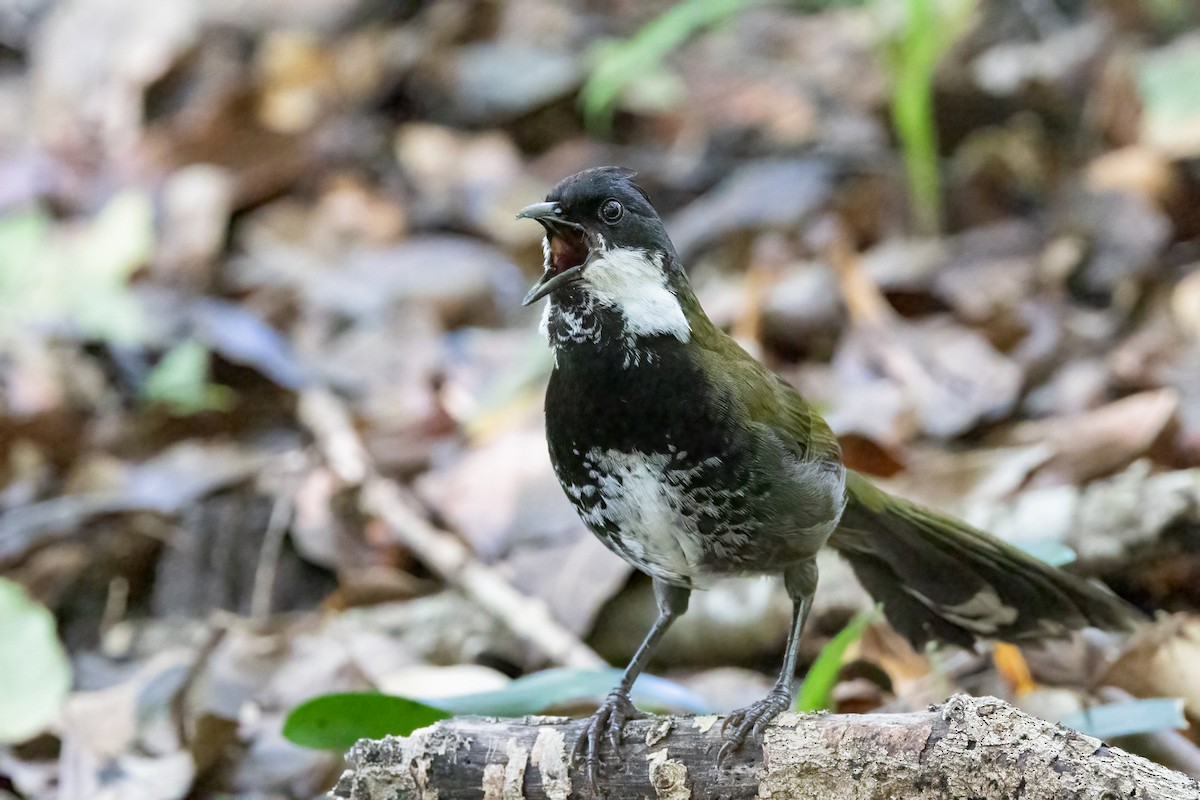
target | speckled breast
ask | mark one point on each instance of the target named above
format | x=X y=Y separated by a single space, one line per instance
x=669 y=515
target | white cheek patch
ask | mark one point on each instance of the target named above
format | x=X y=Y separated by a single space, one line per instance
x=633 y=282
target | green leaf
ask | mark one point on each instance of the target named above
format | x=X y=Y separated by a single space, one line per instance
x=535 y=693
x=1129 y=718
x=99 y=262
x=180 y=381
x=1167 y=80
x=337 y=721
x=817 y=690
x=35 y=674
x=75 y=274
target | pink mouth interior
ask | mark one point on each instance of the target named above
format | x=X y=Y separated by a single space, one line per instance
x=567 y=249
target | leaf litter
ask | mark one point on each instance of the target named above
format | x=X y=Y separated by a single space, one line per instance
x=213 y=215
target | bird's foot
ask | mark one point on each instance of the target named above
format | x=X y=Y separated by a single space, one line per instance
x=609 y=719
x=751 y=721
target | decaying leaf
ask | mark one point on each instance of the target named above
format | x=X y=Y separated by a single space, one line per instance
x=311 y=204
x=955 y=480
x=950 y=376
x=763 y=195
x=1103 y=522
x=165 y=484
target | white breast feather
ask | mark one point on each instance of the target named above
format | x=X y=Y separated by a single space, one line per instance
x=644 y=494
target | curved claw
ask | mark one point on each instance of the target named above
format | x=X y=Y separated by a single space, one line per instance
x=615 y=724
x=608 y=721
x=750 y=722
x=727 y=749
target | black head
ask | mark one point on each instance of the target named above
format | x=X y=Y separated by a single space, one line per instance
x=591 y=213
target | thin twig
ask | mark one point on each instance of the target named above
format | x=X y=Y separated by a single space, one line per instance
x=440 y=550
x=269 y=554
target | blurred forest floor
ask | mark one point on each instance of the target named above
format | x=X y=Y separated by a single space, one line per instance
x=258 y=258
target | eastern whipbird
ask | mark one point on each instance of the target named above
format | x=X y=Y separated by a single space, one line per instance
x=691 y=460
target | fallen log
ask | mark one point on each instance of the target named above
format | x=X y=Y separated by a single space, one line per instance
x=968 y=747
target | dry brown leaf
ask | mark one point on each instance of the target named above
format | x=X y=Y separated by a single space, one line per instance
x=93 y=60
x=736 y=621
x=503 y=493
x=503 y=498
x=1136 y=169
x=856 y=400
x=298 y=80
x=314 y=529
x=951 y=377
x=961 y=479
x=575 y=578
x=759 y=195
x=1010 y=663
x=106 y=722
x=766 y=77
x=1097 y=442
x=167 y=483
x=470 y=180
x=1163 y=660
x=881 y=645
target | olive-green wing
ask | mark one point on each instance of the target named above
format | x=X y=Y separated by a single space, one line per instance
x=767 y=398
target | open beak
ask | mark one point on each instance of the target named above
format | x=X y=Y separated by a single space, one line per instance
x=569 y=251
x=540 y=211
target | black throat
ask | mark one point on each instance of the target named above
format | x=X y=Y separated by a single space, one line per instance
x=657 y=402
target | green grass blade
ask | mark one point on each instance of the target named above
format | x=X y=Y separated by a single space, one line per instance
x=817 y=690
x=912 y=50
x=619 y=64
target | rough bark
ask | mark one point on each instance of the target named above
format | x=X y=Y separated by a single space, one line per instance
x=968 y=748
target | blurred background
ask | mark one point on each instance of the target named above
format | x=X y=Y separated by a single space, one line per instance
x=270 y=411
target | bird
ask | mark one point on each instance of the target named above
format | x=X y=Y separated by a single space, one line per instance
x=691 y=460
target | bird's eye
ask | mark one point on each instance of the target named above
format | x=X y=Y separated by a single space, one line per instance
x=611 y=211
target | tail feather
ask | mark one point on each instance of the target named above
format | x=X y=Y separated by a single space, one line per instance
x=942 y=579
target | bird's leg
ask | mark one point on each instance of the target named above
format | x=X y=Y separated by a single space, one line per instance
x=801 y=584
x=617 y=707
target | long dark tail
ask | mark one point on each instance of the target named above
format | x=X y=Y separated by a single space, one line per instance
x=939 y=578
